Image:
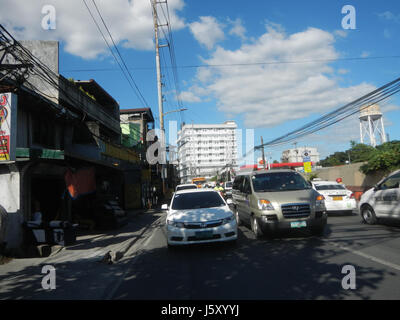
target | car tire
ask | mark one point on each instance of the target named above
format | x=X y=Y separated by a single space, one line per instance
x=232 y=243
x=238 y=222
x=255 y=227
x=368 y=215
x=171 y=247
x=318 y=231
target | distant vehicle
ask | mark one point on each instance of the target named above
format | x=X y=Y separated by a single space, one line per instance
x=199 y=216
x=382 y=201
x=228 y=188
x=185 y=186
x=273 y=200
x=337 y=197
x=199 y=182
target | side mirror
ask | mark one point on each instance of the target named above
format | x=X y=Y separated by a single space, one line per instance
x=376 y=187
x=164 y=207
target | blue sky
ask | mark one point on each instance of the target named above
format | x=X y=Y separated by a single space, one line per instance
x=273 y=99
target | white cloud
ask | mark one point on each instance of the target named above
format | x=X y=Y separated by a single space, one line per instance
x=130 y=23
x=343 y=71
x=365 y=54
x=387 y=15
x=208 y=31
x=388 y=107
x=270 y=94
x=188 y=96
x=237 y=28
x=340 y=33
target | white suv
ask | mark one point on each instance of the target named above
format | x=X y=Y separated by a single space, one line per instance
x=382 y=201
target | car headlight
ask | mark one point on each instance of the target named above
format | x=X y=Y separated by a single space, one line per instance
x=228 y=220
x=175 y=224
x=265 y=205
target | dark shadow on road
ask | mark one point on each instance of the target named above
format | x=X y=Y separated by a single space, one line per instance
x=295 y=267
x=114 y=236
x=81 y=278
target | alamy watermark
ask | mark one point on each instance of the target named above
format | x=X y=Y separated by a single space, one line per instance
x=49 y=20
x=349 y=20
x=349 y=280
x=49 y=280
x=157 y=151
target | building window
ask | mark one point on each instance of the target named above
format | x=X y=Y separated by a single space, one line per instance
x=43 y=132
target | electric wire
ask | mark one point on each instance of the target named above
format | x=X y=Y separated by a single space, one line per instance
x=120 y=56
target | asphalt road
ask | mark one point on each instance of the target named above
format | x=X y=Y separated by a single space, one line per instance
x=293 y=266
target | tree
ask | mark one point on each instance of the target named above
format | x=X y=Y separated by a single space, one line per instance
x=357 y=153
x=386 y=158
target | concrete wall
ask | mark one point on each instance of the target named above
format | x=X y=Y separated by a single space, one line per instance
x=10 y=201
x=48 y=53
x=351 y=176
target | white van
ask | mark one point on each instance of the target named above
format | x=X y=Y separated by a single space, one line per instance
x=382 y=201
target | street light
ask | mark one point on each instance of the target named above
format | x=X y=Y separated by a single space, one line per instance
x=177 y=110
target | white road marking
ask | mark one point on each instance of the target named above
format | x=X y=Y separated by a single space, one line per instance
x=366 y=256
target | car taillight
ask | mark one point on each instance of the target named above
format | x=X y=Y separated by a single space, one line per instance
x=352 y=196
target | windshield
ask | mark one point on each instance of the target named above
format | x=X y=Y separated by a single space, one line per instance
x=196 y=200
x=330 y=187
x=279 y=181
x=185 y=187
x=228 y=185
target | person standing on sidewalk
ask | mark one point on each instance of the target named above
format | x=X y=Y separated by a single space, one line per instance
x=3 y=226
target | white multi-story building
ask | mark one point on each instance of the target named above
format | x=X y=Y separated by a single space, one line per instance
x=297 y=154
x=204 y=150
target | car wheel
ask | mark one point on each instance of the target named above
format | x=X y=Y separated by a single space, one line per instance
x=368 y=215
x=238 y=222
x=318 y=231
x=255 y=227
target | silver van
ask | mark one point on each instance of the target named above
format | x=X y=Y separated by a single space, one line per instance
x=273 y=200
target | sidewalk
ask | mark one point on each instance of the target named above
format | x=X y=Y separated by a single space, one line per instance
x=81 y=271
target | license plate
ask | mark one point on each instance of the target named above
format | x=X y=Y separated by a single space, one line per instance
x=337 y=198
x=298 y=224
x=204 y=234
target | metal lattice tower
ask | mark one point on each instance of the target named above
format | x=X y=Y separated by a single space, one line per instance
x=371 y=125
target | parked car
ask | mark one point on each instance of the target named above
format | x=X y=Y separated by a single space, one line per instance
x=272 y=200
x=337 y=197
x=228 y=188
x=185 y=186
x=199 y=216
x=382 y=201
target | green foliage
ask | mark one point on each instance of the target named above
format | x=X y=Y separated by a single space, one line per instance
x=87 y=93
x=311 y=176
x=386 y=158
x=357 y=153
x=72 y=80
x=213 y=178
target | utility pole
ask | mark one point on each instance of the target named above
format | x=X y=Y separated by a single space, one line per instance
x=159 y=87
x=262 y=150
